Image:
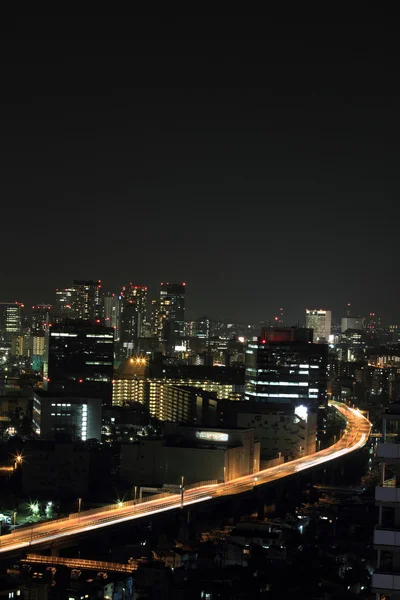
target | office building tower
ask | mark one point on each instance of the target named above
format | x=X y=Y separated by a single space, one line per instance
x=87 y=300
x=112 y=313
x=10 y=320
x=320 y=321
x=40 y=319
x=79 y=359
x=386 y=579
x=172 y=305
x=285 y=366
x=62 y=308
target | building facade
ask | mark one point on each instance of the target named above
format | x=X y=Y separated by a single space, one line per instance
x=79 y=359
x=10 y=320
x=172 y=306
x=87 y=300
x=282 y=429
x=40 y=319
x=386 y=579
x=320 y=321
x=285 y=366
x=192 y=453
x=61 y=413
x=112 y=313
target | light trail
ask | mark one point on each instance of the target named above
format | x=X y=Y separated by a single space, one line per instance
x=355 y=436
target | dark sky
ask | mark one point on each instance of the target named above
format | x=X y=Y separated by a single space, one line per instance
x=258 y=162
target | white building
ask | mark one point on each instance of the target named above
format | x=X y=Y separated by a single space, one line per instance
x=320 y=321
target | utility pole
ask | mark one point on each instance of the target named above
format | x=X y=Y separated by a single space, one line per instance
x=182 y=490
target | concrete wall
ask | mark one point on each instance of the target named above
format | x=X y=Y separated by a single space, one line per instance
x=281 y=433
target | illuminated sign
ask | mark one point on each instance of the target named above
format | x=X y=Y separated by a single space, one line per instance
x=212 y=436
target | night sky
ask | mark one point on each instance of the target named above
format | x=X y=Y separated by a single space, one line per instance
x=258 y=163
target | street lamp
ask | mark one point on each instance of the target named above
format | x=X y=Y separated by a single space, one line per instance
x=120 y=503
x=18 y=461
x=79 y=504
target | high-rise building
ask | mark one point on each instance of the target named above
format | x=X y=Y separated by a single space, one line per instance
x=285 y=366
x=133 y=316
x=40 y=318
x=320 y=321
x=352 y=323
x=63 y=306
x=112 y=313
x=372 y=323
x=172 y=305
x=80 y=359
x=157 y=319
x=200 y=328
x=386 y=579
x=87 y=300
x=10 y=320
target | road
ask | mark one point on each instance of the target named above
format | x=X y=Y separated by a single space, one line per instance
x=354 y=437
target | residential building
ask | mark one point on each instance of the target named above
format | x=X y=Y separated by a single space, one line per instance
x=133 y=317
x=62 y=413
x=285 y=366
x=386 y=579
x=112 y=313
x=87 y=300
x=172 y=306
x=62 y=309
x=80 y=359
x=320 y=321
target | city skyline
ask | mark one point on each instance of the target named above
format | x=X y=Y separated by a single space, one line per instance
x=251 y=167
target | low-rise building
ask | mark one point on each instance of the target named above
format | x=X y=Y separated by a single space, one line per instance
x=282 y=429
x=193 y=453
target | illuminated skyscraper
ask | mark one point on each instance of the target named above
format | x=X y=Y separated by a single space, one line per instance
x=63 y=305
x=10 y=320
x=172 y=306
x=112 y=313
x=133 y=316
x=40 y=319
x=87 y=301
x=320 y=322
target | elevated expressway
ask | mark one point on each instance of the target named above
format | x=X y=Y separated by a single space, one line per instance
x=355 y=436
